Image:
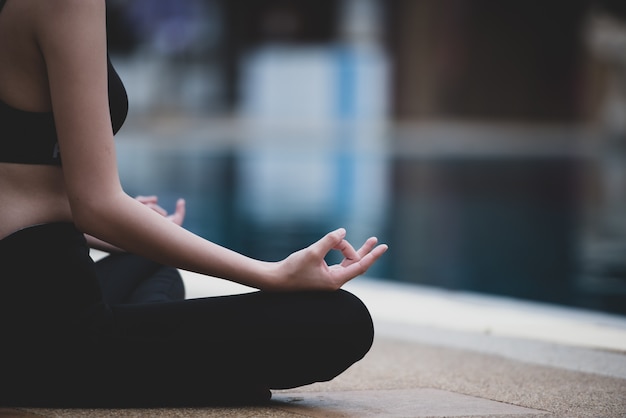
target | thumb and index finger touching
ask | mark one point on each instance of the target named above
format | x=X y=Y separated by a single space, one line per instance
x=355 y=262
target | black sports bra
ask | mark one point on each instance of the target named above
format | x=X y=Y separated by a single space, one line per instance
x=31 y=137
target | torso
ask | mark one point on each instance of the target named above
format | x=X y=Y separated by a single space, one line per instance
x=29 y=194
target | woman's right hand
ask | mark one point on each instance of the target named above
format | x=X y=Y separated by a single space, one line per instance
x=152 y=202
x=307 y=270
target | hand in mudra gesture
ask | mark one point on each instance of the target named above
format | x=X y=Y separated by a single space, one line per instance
x=307 y=270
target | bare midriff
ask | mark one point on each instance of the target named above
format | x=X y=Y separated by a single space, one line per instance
x=31 y=195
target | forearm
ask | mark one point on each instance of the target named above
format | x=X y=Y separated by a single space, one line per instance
x=98 y=244
x=125 y=223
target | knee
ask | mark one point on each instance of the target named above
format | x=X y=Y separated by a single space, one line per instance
x=357 y=324
x=349 y=333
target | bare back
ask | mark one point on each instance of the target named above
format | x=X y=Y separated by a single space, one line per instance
x=29 y=194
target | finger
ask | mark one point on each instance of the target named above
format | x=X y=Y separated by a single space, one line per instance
x=363 y=251
x=180 y=207
x=347 y=250
x=346 y=273
x=328 y=242
x=179 y=213
x=147 y=199
x=158 y=209
x=367 y=246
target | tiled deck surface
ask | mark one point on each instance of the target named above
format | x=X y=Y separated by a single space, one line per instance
x=447 y=354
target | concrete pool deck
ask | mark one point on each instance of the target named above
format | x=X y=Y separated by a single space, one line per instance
x=441 y=353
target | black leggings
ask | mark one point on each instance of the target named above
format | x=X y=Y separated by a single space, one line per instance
x=64 y=345
x=128 y=278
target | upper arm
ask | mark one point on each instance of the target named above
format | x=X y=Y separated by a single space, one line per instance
x=72 y=38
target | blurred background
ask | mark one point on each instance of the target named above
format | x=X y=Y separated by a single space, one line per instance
x=484 y=141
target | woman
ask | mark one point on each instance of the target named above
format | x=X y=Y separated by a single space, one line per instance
x=63 y=344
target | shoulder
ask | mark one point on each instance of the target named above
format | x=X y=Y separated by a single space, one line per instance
x=55 y=8
x=69 y=5
x=44 y=12
x=57 y=14
x=68 y=21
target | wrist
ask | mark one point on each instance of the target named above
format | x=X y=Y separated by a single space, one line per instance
x=270 y=276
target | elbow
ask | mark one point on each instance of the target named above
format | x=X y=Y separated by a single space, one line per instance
x=83 y=215
x=91 y=214
x=95 y=198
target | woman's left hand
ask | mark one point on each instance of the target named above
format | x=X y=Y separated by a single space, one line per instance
x=307 y=270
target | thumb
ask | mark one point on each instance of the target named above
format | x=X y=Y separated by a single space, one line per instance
x=178 y=216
